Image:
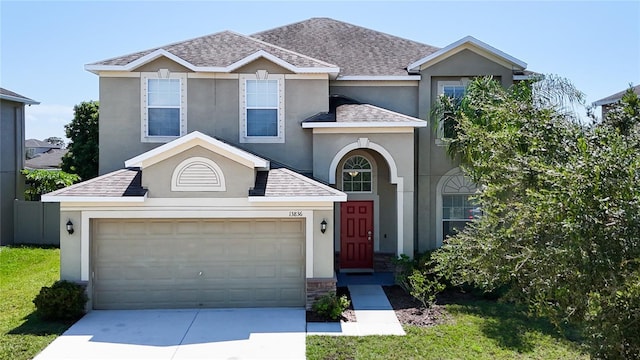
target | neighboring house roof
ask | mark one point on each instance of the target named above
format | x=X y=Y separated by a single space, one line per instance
x=120 y=185
x=221 y=52
x=51 y=159
x=468 y=42
x=12 y=96
x=615 y=97
x=35 y=143
x=358 y=51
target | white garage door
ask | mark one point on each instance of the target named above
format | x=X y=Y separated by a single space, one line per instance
x=191 y=263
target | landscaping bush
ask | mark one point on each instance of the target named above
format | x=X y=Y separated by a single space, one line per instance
x=416 y=277
x=64 y=300
x=331 y=305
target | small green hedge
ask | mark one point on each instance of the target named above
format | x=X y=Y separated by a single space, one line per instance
x=64 y=300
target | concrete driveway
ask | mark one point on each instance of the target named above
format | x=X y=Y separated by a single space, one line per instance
x=277 y=333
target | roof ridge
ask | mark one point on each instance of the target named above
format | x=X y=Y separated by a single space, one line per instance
x=285 y=49
x=163 y=47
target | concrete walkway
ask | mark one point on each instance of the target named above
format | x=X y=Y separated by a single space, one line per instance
x=374 y=315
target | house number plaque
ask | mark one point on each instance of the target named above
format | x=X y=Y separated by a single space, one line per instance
x=295 y=213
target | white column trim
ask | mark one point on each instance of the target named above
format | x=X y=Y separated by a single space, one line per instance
x=365 y=143
x=84 y=247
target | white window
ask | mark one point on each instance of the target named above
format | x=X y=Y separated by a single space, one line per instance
x=262 y=108
x=454 y=90
x=163 y=106
x=356 y=175
x=454 y=207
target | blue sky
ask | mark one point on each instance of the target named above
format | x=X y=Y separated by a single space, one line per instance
x=45 y=45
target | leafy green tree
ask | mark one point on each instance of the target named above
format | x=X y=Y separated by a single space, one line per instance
x=560 y=200
x=44 y=181
x=54 y=140
x=82 y=157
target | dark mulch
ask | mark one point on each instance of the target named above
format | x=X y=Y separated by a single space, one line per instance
x=348 y=315
x=410 y=311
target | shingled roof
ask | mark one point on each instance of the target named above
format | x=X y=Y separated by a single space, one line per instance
x=123 y=184
x=218 y=50
x=358 y=51
x=615 y=97
x=12 y=96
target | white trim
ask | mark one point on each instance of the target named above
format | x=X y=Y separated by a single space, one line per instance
x=379 y=78
x=193 y=139
x=365 y=124
x=375 y=83
x=296 y=199
x=119 y=74
x=242 y=88
x=467 y=40
x=97 y=68
x=364 y=143
x=179 y=171
x=18 y=99
x=525 y=77
x=144 y=108
x=85 y=252
x=305 y=77
x=363 y=130
x=93 y=199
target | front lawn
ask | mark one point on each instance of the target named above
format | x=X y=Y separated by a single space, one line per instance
x=23 y=271
x=478 y=329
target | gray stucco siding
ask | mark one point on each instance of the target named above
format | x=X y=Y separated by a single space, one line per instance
x=11 y=162
x=432 y=158
x=402 y=99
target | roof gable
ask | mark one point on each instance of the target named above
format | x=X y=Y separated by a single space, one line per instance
x=221 y=52
x=473 y=44
x=192 y=140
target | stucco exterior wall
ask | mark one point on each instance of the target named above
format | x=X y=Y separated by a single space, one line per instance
x=213 y=109
x=432 y=158
x=11 y=162
x=70 y=255
x=238 y=178
x=323 y=245
x=402 y=99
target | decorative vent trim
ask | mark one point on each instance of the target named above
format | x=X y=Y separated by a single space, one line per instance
x=198 y=174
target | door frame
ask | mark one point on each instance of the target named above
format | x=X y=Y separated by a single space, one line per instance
x=374 y=231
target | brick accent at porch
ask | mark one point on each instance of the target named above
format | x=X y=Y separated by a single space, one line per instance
x=382 y=262
x=318 y=287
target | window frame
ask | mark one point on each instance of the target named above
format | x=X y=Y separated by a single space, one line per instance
x=261 y=75
x=369 y=170
x=454 y=182
x=162 y=74
x=463 y=82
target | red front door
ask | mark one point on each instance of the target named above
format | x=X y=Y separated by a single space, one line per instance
x=356 y=235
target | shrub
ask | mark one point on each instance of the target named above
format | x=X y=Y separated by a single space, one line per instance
x=416 y=277
x=331 y=305
x=424 y=288
x=64 y=300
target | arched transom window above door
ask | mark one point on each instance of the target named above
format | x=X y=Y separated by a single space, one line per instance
x=356 y=175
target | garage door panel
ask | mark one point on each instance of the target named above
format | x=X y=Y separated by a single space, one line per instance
x=197 y=263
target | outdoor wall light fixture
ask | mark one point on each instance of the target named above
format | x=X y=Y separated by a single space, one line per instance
x=69 y=227
x=323 y=226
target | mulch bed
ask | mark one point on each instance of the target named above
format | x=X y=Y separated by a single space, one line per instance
x=409 y=311
x=348 y=315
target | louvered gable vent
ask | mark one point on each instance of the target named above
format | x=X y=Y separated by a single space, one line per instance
x=197 y=174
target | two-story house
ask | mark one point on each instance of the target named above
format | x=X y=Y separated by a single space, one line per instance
x=12 y=154
x=234 y=167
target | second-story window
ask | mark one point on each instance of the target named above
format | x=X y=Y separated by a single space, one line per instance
x=164 y=114
x=455 y=91
x=261 y=108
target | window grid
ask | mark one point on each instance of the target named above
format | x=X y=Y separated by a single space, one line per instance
x=163 y=107
x=262 y=100
x=356 y=175
x=457 y=211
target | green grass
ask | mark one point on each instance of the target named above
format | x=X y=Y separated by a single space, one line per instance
x=23 y=271
x=479 y=329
